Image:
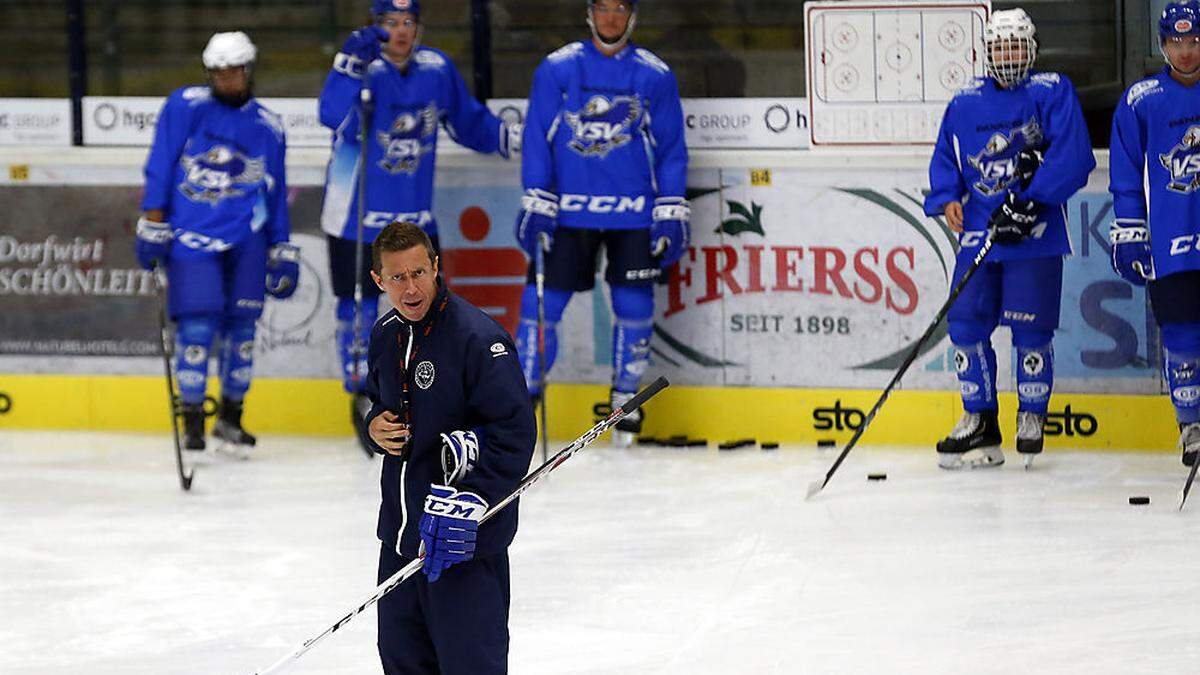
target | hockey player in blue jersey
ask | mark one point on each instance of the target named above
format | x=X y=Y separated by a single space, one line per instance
x=1012 y=149
x=450 y=412
x=413 y=89
x=215 y=215
x=1154 y=174
x=604 y=163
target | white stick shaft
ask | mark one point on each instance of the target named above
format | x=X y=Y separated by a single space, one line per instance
x=380 y=591
x=526 y=483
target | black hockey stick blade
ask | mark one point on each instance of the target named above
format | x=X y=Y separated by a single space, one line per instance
x=644 y=395
x=1187 y=487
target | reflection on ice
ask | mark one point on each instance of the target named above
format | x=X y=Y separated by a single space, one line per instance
x=649 y=561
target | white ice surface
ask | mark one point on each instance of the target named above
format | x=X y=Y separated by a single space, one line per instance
x=640 y=561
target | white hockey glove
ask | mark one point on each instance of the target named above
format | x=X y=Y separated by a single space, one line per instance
x=153 y=242
x=460 y=451
x=1131 y=251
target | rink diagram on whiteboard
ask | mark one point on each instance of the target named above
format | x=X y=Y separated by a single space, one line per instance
x=884 y=75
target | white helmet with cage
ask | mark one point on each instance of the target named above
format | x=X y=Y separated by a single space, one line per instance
x=624 y=38
x=1009 y=46
x=229 y=50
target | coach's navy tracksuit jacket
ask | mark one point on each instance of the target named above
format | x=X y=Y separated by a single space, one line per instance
x=462 y=374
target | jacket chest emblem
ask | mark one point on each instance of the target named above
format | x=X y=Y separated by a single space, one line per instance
x=424 y=374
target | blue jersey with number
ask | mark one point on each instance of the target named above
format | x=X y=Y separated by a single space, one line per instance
x=974 y=161
x=408 y=107
x=1154 y=170
x=605 y=134
x=217 y=172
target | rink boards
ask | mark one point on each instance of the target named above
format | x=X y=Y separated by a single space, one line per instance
x=810 y=277
x=717 y=414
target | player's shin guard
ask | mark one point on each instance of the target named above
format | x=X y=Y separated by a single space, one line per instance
x=976 y=367
x=527 y=337
x=1181 y=345
x=346 y=343
x=1035 y=382
x=634 y=325
x=1035 y=370
x=237 y=371
x=237 y=357
x=194 y=335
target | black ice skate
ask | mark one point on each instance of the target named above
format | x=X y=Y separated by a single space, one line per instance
x=626 y=431
x=1189 y=442
x=1029 y=435
x=193 y=427
x=228 y=429
x=360 y=406
x=973 y=444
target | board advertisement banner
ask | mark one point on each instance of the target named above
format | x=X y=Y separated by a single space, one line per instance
x=35 y=121
x=795 y=278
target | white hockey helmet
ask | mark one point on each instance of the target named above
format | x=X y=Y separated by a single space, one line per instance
x=229 y=50
x=1006 y=33
x=621 y=41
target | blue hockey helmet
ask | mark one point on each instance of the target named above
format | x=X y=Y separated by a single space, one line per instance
x=379 y=7
x=1179 y=19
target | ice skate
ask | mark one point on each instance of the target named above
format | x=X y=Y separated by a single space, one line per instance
x=1189 y=442
x=973 y=444
x=233 y=439
x=1029 y=435
x=626 y=431
x=193 y=427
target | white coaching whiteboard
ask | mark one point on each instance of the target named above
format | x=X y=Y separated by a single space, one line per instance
x=880 y=73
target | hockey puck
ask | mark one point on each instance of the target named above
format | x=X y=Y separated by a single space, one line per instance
x=877 y=476
x=729 y=445
x=697 y=443
x=826 y=443
x=769 y=445
x=648 y=440
x=677 y=441
x=1139 y=501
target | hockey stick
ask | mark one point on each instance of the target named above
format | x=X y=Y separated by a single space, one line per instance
x=1187 y=487
x=164 y=333
x=357 y=348
x=817 y=486
x=534 y=476
x=540 y=278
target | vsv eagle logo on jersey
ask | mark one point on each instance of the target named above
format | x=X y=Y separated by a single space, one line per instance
x=1183 y=162
x=997 y=161
x=602 y=126
x=219 y=173
x=403 y=142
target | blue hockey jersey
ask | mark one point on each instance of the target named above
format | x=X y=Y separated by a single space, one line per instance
x=605 y=134
x=402 y=141
x=974 y=161
x=1155 y=158
x=217 y=172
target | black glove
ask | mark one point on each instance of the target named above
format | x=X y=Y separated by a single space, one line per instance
x=1012 y=222
x=1027 y=163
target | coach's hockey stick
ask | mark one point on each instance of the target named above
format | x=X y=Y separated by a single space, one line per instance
x=534 y=476
x=166 y=341
x=539 y=262
x=817 y=486
x=357 y=348
x=1187 y=487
